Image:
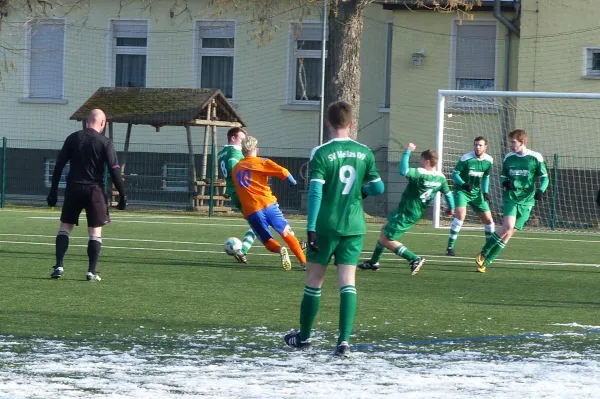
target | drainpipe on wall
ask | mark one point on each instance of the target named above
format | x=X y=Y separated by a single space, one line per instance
x=512 y=28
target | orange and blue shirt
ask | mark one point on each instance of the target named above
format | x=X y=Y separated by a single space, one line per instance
x=251 y=179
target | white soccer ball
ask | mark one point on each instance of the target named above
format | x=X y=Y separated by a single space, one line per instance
x=232 y=245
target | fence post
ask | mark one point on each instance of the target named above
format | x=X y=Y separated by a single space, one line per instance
x=3 y=201
x=212 y=180
x=554 y=191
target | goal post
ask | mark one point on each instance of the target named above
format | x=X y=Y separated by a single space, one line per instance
x=563 y=127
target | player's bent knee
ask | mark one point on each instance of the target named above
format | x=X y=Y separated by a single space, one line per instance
x=286 y=231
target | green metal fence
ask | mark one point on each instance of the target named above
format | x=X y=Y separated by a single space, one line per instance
x=157 y=177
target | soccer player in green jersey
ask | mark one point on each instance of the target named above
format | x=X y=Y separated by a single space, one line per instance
x=227 y=158
x=520 y=170
x=423 y=184
x=471 y=187
x=342 y=174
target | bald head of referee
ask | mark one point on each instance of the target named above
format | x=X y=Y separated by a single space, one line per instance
x=96 y=120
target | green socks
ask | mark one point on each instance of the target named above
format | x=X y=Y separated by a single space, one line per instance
x=495 y=251
x=378 y=253
x=406 y=253
x=489 y=230
x=490 y=243
x=347 y=312
x=402 y=251
x=454 y=230
x=308 y=311
x=310 y=307
x=492 y=248
x=248 y=240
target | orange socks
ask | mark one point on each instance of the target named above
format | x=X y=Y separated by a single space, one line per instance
x=273 y=246
x=294 y=245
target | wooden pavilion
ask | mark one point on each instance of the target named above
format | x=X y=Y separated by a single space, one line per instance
x=160 y=107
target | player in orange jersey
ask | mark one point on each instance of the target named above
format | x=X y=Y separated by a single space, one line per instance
x=259 y=205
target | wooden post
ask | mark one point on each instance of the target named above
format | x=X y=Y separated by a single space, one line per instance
x=214 y=136
x=188 y=132
x=205 y=147
x=126 y=148
x=110 y=131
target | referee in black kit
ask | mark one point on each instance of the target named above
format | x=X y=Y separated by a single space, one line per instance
x=88 y=151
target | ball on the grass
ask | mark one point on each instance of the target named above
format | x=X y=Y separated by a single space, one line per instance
x=232 y=245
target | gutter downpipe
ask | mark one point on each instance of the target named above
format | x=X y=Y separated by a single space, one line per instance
x=512 y=28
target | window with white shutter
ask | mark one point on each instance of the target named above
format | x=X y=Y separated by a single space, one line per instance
x=475 y=56
x=305 y=62
x=46 y=58
x=216 y=52
x=130 y=52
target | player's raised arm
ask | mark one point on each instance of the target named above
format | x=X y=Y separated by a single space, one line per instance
x=274 y=169
x=404 y=169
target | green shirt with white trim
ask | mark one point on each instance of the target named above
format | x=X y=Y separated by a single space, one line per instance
x=523 y=170
x=472 y=170
x=342 y=166
x=422 y=187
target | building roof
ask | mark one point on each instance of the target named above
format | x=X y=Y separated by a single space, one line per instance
x=486 y=5
x=159 y=106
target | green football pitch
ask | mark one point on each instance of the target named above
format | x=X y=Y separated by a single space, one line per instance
x=166 y=282
x=170 y=272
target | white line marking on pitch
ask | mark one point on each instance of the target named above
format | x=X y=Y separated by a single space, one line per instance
x=369 y=231
x=501 y=261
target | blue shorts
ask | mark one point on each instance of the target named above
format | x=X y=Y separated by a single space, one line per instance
x=261 y=220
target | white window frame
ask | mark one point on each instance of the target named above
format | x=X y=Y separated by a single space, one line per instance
x=27 y=68
x=48 y=175
x=293 y=55
x=113 y=50
x=178 y=165
x=387 y=86
x=198 y=51
x=588 y=53
x=453 y=45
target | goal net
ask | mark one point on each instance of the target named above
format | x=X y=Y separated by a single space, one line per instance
x=563 y=127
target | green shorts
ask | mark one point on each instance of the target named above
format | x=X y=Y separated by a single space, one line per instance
x=478 y=204
x=521 y=212
x=346 y=250
x=397 y=225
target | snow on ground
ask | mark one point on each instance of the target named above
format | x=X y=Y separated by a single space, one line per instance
x=228 y=364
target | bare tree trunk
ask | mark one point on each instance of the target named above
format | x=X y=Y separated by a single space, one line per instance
x=342 y=68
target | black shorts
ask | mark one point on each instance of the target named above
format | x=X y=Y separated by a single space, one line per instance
x=92 y=199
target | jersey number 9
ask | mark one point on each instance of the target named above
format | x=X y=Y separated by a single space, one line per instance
x=347 y=176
